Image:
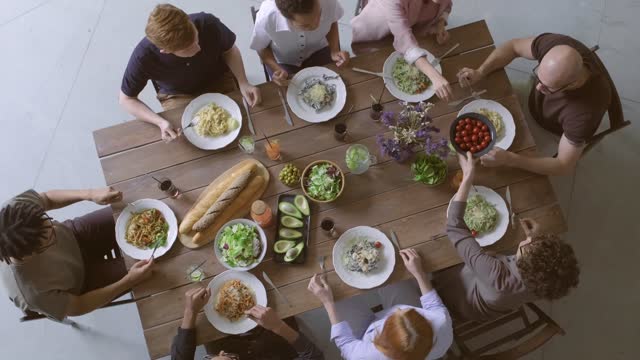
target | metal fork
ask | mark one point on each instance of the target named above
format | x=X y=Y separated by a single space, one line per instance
x=321 y=259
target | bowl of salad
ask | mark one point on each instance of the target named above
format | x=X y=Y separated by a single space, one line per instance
x=240 y=245
x=322 y=181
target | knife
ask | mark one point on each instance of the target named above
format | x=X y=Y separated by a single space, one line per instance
x=287 y=117
x=266 y=278
x=475 y=94
x=512 y=215
x=394 y=238
x=436 y=61
x=249 y=120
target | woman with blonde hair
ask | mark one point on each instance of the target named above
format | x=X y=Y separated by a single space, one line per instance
x=411 y=326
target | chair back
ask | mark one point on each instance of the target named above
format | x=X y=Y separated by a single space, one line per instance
x=532 y=335
x=360 y=5
x=616 y=115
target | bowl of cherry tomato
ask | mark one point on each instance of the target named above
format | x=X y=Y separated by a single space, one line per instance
x=472 y=132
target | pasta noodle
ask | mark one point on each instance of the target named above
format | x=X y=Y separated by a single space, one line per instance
x=145 y=228
x=234 y=298
x=214 y=121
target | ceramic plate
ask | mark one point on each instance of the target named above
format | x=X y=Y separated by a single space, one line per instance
x=306 y=112
x=505 y=140
x=399 y=94
x=215 y=142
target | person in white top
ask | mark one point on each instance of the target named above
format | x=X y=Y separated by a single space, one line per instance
x=406 y=329
x=293 y=34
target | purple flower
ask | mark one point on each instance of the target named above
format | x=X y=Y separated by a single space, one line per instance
x=387 y=118
x=438 y=147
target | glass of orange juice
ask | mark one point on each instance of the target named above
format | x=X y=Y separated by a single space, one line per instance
x=272 y=147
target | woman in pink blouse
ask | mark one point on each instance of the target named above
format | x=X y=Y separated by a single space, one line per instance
x=405 y=19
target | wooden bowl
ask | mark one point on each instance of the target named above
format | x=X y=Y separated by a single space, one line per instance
x=306 y=171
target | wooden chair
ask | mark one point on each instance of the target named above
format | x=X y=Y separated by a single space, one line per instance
x=616 y=116
x=535 y=334
x=254 y=12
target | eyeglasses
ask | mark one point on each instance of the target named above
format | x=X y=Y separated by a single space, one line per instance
x=52 y=239
x=545 y=87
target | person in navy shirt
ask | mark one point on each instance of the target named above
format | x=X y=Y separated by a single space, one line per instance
x=184 y=56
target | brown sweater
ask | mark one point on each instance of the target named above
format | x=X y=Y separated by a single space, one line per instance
x=485 y=286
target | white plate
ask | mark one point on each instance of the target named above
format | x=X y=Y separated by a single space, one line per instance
x=243 y=324
x=391 y=84
x=137 y=206
x=216 y=142
x=509 y=132
x=503 y=215
x=306 y=112
x=263 y=240
x=375 y=277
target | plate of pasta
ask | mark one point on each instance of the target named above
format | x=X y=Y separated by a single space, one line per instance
x=144 y=224
x=211 y=121
x=233 y=293
x=499 y=116
x=316 y=94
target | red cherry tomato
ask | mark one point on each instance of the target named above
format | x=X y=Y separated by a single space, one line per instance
x=464 y=133
x=473 y=149
x=484 y=144
x=485 y=127
x=377 y=244
x=464 y=146
x=474 y=138
x=457 y=140
x=474 y=233
x=487 y=138
x=466 y=139
x=467 y=121
x=468 y=127
x=476 y=130
x=479 y=123
x=459 y=127
x=486 y=133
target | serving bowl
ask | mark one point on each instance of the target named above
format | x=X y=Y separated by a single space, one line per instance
x=305 y=174
x=474 y=117
x=261 y=235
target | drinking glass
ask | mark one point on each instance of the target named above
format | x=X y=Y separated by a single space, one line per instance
x=359 y=159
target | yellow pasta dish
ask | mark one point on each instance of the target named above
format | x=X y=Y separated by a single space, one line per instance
x=495 y=118
x=214 y=121
x=234 y=298
x=146 y=228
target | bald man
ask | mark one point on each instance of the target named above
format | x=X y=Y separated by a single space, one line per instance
x=571 y=94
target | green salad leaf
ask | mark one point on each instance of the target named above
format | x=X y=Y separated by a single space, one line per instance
x=409 y=78
x=324 y=182
x=238 y=244
x=429 y=169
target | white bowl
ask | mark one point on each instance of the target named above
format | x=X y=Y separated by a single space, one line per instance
x=263 y=240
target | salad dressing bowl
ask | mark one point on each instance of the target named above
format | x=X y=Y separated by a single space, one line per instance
x=306 y=173
x=261 y=237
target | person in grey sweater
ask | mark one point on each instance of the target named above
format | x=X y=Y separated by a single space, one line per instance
x=486 y=285
x=288 y=344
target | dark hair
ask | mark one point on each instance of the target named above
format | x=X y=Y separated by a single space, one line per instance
x=22 y=227
x=548 y=267
x=290 y=7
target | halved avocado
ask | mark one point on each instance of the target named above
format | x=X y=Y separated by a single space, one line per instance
x=302 y=204
x=289 y=234
x=291 y=222
x=289 y=209
x=281 y=246
x=294 y=252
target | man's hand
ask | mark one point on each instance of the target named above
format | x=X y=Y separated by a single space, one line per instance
x=340 y=58
x=196 y=299
x=139 y=272
x=280 y=77
x=467 y=165
x=531 y=227
x=468 y=77
x=167 y=132
x=265 y=317
x=413 y=262
x=443 y=89
x=105 y=196
x=442 y=35
x=496 y=157
x=319 y=287
x=251 y=94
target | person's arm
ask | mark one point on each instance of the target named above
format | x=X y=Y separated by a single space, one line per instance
x=563 y=164
x=183 y=346
x=502 y=56
x=233 y=59
x=268 y=319
x=56 y=199
x=333 y=37
x=87 y=302
x=141 y=111
x=413 y=262
x=280 y=75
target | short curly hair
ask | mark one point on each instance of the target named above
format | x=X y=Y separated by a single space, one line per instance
x=22 y=227
x=549 y=267
x=170 y=28
x=288 y=8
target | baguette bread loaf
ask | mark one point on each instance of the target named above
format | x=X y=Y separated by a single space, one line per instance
x=227 y=197
x=209 y=198
x=231 y=211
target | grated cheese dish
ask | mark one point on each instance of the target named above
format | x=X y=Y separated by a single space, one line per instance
x=362 y=256
x=317 y=94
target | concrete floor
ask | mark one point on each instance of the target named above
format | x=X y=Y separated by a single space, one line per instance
x=61 y=69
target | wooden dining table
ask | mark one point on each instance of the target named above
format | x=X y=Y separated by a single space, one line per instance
x=385 y=197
